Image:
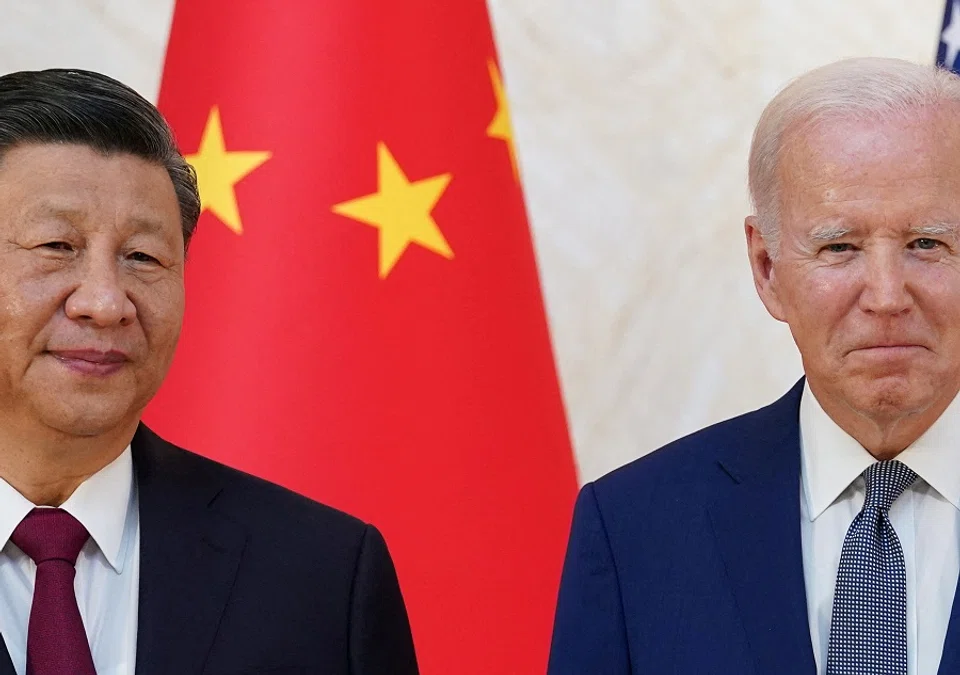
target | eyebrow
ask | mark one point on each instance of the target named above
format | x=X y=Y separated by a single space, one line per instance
x=148 y=225
x=827 y=233
x=47 y=209
x=141 y=223
x=938 y=230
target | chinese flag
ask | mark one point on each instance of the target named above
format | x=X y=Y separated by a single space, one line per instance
x=364 y=321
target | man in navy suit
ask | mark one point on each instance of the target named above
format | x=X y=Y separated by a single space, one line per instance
x=820 y=534
x=121 y=554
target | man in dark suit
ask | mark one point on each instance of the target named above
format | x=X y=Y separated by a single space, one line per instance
x=121 y=553
x=820 y=534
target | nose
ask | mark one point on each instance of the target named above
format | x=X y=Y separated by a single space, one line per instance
x=885 y=287
x=99 y=296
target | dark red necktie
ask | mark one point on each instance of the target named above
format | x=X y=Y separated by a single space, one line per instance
x=56 y=640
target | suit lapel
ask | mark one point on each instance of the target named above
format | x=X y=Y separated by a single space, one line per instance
x=757 y=526
x=950 y=659
x=188 y=559
x=6 y=664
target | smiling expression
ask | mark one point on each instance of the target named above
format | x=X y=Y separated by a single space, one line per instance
x=91 y=287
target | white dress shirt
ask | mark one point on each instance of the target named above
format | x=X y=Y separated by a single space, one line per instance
x=108 y=568
x=926 y=518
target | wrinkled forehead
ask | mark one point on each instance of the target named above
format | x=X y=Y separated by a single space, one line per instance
x=898 y=168
x=82 y=185
x=847 y=147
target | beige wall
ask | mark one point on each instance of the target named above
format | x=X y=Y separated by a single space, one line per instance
x=633 y=120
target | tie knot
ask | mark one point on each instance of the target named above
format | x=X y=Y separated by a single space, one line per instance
x=885 y=482
x=50 y=534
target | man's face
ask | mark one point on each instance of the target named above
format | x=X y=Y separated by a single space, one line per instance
x=91 y=287
x=868 y=277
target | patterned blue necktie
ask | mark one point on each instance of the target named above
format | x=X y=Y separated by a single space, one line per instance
x=868 y=631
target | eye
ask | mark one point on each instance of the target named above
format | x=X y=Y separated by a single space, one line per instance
x=838 y=248
x=57 y=246
x=925 y=244
x=140 y=256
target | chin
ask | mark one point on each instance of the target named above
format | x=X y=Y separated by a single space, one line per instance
x=88 y=418
x=892 y=395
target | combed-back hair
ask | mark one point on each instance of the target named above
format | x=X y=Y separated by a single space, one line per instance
x=87 y=108
x=858 y=88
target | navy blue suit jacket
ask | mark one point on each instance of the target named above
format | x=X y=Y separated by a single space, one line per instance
x=239 y=576
x=689 y=560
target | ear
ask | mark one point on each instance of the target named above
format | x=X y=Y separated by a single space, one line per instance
x=761 y=264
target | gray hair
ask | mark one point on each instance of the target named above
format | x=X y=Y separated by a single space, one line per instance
x=858 y=88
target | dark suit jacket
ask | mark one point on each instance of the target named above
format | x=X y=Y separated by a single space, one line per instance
x=689 y=560
x=240 y=576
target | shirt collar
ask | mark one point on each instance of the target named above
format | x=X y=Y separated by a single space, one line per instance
x=935 y=456
x=101 y=503
x=832 y=459
x=13 y=508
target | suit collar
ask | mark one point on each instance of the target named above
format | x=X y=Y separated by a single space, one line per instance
x=757 y=526
x=189 y=556
x=950 y=657
x=6 y=663
x=767 y=440
x=756 y=521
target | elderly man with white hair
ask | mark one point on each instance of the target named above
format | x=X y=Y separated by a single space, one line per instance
x=820 y=534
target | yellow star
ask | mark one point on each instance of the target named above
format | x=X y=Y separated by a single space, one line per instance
x=500 y=127
x=400 y=210
x=218 y=171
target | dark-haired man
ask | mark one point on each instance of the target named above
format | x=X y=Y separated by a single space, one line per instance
x=121 y=553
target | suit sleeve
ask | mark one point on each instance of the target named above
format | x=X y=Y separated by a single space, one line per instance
x=589 y=633
x=380 y=638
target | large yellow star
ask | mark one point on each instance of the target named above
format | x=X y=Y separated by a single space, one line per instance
x=400 y=210
x=219 y=170
x=500 y=127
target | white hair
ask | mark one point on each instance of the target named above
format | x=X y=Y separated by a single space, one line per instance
x=858 y=88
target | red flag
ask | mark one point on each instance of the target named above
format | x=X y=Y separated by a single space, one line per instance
x=364 y=322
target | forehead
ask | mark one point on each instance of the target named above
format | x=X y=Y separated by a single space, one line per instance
x=84 y=181
x=848 y=149
x=899 y=168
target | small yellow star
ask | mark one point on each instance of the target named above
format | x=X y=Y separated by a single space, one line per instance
x=219 y=170
x=500 y=127
x=401 y=211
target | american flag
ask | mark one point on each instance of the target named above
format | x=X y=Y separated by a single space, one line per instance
x=949 y=46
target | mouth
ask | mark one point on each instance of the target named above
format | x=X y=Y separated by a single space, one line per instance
x=889 y=350
x=91 y=361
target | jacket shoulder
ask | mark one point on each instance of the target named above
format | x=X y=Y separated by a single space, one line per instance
x=252 y=498
x=249 y=500
x=691 y=466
